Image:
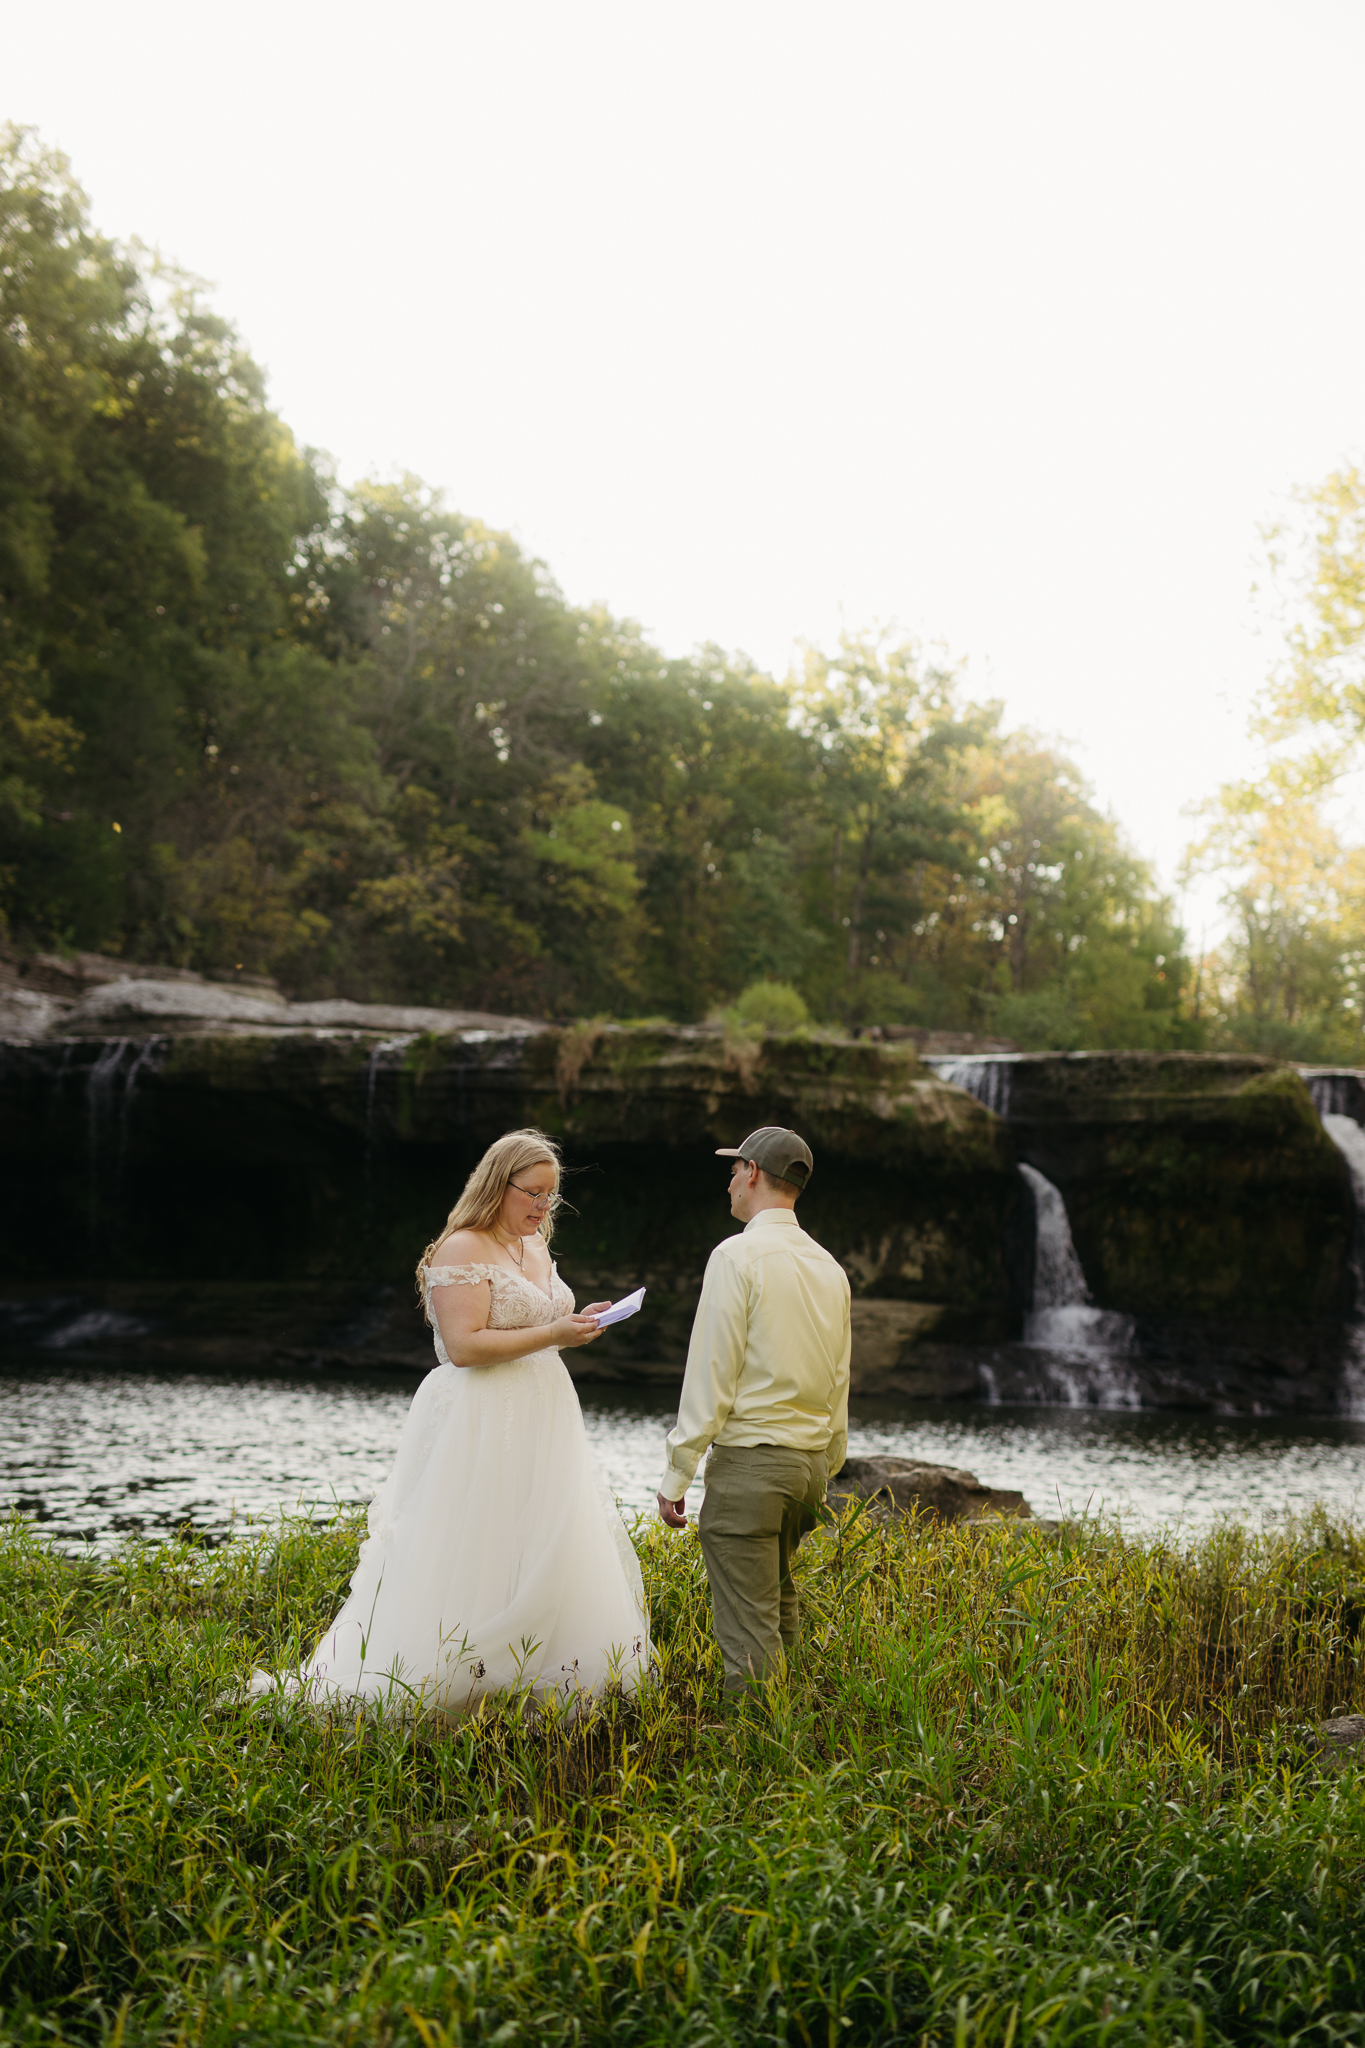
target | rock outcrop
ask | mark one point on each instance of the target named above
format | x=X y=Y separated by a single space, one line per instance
x=1195 y=1184
x=167 y=1138
x=1209 y=1209
x=169 y=1132
x=908 y=1487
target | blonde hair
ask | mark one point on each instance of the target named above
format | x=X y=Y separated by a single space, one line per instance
x=482 y=1197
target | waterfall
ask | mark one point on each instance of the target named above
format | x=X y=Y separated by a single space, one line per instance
x=1085 y=1346
x=1088 y=1344
x=374 y=1066
x=110 y=1091
x=1335 y=1092
x=381 y=1056
x=1058 y=1281
x=1338 y=1096
x=987 y=1076
x=1349 y=1140
x=102 y=1085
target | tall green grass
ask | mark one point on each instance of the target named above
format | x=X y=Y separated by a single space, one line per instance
x=1014 y=1791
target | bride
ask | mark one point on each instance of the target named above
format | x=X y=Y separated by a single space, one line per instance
x=495 y=1557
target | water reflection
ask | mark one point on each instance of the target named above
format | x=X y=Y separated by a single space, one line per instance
x=95 y=1455
x=1150 y=1470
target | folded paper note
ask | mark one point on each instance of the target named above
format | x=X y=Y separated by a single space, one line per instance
x=628 y=1305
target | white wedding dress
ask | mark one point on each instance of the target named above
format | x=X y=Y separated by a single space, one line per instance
x=496 y=1558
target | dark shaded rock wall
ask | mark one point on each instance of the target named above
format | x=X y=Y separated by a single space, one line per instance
x=259 y=1187
x=304 y=1157
x=1196 y=1185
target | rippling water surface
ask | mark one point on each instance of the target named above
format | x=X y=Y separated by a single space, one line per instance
x=94 y=1456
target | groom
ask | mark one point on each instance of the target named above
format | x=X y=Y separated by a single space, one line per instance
x=766 y=1390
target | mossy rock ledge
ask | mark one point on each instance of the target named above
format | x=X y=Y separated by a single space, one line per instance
x=250 y=1182
x=305 y=1168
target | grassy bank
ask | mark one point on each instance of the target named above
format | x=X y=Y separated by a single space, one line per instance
x=1017 y=1792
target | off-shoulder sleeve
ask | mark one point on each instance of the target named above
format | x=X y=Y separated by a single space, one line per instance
x=457 y=1276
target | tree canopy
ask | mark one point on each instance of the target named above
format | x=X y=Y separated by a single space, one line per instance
x=1290 y=977
x=252 y=721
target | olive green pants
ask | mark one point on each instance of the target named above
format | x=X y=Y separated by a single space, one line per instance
x=760 y=1501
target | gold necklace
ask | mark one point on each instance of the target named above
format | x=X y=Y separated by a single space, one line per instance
x=519 y=1254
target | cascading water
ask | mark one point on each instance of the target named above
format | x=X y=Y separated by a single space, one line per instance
x=110 y=1092
x=102 y=1087
x=1085 y=1346
x=987 y=1076
x=1336 y=1091
x=381 y=1057
x=1088 y=1345
x=387 y=1055
x=1327 y=1091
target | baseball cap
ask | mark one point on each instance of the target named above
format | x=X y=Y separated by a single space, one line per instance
x=777 y=1151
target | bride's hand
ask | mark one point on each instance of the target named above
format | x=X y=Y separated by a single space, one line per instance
x=573 y=1330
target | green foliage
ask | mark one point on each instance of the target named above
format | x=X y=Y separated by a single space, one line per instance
x=149 y=516
x=361 y=742
x=961 y=876
x=775 y=1005
x=1016 y=1790
x=1289 y=978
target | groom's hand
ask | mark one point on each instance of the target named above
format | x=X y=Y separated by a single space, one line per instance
x=674 y=1512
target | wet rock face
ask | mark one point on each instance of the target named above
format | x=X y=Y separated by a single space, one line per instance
x=167 y=1133
x=1196 y=1185
x=1336 y=1091
x=297 y=1153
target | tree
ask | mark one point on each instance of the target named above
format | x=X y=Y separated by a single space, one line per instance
x=360 y=741
x=1317 y=571
x=1290 y=977
x=474 y=683
x=1084 y=949
x=148 y=521
x=885 y=730
x=703 y=756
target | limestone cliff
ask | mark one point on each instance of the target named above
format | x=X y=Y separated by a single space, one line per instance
x=205 y=1172
x=242 y=1139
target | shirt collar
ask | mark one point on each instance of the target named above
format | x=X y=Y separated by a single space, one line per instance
x=783 y=1216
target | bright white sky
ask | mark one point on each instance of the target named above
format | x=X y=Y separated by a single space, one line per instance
x=1008 y=324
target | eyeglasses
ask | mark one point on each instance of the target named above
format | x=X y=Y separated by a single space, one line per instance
x=537 y=1201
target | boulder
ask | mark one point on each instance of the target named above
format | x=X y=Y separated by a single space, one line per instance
x=1343 y=1740
x=907 y=1486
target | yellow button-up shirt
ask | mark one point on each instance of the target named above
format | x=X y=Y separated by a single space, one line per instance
x=768 y=1361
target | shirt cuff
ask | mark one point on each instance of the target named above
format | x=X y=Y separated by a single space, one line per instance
x=674 y=1483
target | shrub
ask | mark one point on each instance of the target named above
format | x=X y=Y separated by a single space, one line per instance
x=775 y=1005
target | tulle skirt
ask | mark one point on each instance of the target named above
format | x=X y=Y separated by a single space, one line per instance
x=495 y=1559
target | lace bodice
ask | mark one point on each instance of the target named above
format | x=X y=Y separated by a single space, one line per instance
x=518 y=1304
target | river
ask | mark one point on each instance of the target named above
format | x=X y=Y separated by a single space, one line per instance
x=94 y=1457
